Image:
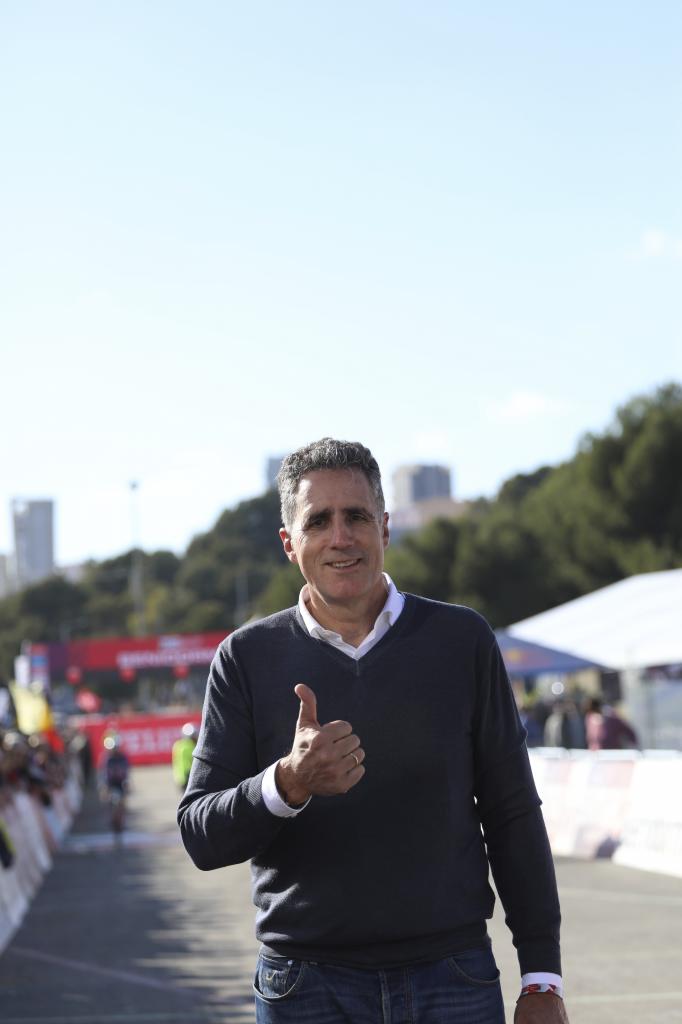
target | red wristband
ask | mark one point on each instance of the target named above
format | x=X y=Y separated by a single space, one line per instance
x=541 y=987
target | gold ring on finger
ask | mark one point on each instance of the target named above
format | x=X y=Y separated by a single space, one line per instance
x=356 y=759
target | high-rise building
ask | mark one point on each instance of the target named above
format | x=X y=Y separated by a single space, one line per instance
x=420 y=495
x=420 y=513
x=5 y=576
x=272 y=469
x=33 y=523
x=419 y=483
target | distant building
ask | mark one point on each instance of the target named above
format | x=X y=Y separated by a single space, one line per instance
x=272 y=468
x=420 y=513
x=418 y=483
x=33 y=523
x=6 y=576
x=422 y=493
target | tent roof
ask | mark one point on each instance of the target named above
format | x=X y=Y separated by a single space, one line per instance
x=634 y=623
x=523 y=658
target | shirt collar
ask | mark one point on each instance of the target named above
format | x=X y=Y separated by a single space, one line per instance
x=390 y=611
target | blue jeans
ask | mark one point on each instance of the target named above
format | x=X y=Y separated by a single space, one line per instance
x=462 y=989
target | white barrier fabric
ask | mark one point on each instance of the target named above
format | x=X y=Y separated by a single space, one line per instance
x=73 y=791
x=552 y=775
x=600 y=791
x=13 y=903
x=26 y=863
x=33 y=832
x=619 y=804
x=30 y=814
x=652 y=831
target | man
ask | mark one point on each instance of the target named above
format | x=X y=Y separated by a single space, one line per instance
x=352 y=747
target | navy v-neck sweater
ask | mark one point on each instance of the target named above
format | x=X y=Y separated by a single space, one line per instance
x=396 y=870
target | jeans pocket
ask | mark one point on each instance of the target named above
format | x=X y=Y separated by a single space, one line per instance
x=277 y=978
x=475 y=966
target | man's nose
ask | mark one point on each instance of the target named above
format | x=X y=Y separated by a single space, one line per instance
x=341 y=533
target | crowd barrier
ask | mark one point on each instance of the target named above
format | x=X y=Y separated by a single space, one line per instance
x=34 y=833
x=621 y=804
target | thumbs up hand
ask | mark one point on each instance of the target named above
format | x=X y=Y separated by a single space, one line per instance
x=307 y=713
x=325 y=760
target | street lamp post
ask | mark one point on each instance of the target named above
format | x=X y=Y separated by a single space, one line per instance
x=136 y=565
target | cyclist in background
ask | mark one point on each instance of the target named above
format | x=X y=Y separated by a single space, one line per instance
x=114 y=773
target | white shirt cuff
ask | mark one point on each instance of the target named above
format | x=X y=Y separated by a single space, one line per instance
x=543 y=977
x=273 y=800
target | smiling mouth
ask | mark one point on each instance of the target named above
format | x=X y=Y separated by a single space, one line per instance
x=347 y=564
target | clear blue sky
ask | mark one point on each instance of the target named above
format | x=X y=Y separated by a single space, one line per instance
x=451 y=231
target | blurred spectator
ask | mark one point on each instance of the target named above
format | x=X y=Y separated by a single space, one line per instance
x=26 y=766
x=78 y=743
x=606 y=730
x=8 y=716
x=183 y=748
x=565 y=727
x=6 y=846
x=532 y=719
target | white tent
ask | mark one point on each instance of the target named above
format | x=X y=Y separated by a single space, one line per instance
x=635 y=623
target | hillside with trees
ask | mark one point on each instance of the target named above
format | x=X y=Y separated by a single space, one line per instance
x=612 y=510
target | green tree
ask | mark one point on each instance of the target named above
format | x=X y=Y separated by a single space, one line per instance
x=422 y=562
x=578 y=529
x=232 y=564
x=648 y=479
x=59 y=607
x=514 y=490
x=501 y=569
x=281 y=591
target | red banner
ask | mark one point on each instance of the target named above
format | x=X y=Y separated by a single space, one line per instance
x=136 y=653
x=146 y=739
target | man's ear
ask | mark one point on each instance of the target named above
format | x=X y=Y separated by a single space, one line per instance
x=287 y=545
x=384 y=530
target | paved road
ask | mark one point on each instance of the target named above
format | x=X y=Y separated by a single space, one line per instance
x=136 y=935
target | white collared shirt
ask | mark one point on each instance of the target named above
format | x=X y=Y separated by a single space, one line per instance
x=393 y=606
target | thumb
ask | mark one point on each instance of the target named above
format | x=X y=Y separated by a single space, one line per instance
x=307 y=714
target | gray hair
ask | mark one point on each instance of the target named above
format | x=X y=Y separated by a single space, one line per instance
x=325 y=454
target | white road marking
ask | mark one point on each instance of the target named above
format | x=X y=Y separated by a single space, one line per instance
x=91 y=842
x=90 y=968
x=611 y=896
x=626 y=997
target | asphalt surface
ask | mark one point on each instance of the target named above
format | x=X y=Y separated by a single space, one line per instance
x=135 y=934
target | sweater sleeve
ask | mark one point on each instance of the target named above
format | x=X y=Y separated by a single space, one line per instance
x=222 y=815
x=513 y=827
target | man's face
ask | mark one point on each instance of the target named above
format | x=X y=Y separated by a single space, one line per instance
x=338 y=538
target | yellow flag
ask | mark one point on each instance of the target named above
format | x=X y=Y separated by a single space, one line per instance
x=33 y=711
